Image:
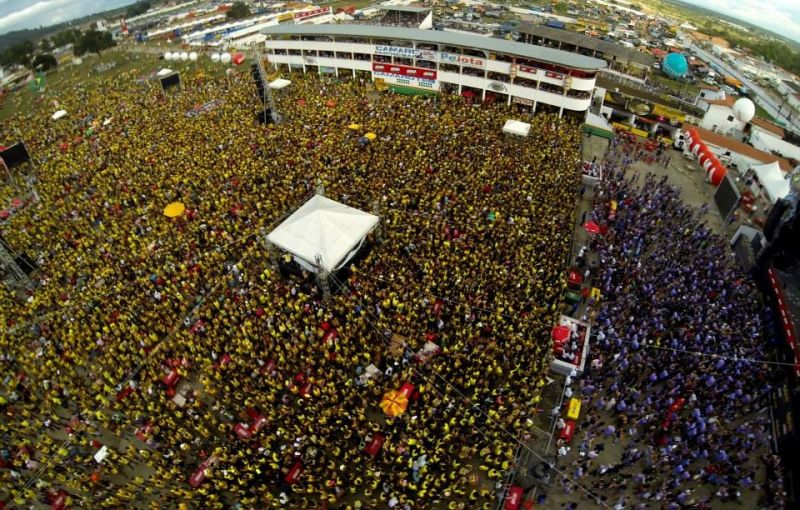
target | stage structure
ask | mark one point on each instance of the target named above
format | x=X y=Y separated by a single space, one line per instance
x=323 y=235
x=517 y=128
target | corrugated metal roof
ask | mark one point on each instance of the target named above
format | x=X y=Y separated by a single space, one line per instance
x=584 y=41
x=405 y=8
x=488 y=44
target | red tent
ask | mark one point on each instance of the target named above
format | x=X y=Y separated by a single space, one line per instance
x=407 y=389
x=171 y=379
x=592 y=227
x=375 y=444
x=197 y=477
x=514 y=498
x=258 y=423
x=560 y=333
x=294 y=473
x=568 y=431
x=242 y=431
x=58 y=501
x=574 y=278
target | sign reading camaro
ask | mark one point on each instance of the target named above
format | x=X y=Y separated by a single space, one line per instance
x=397 y=51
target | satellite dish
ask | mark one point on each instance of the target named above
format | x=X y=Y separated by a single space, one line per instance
x=167 y=56
x=744 y=110
x=176 y=55
x=215 y=57
x=193 y=56
x=225 y=58
x=184 y=56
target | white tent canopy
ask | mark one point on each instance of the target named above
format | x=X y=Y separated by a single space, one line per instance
x=515 y=127
x=323 y=227
x=59 y=114
x=598 y=121
x=278 y=84
x=772 y=179
x=164 y=71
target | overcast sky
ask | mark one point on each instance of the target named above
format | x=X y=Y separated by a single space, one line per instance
x=780 y=16
x=19 y=14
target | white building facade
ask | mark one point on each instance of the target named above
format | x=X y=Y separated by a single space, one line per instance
x=437 y=61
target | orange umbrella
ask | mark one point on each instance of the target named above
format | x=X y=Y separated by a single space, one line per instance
x=394 y=403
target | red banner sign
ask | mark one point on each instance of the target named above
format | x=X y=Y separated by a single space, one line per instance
x=312 y=13
x=411 y=72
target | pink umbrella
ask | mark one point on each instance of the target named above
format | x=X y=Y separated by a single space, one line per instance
x=17 y=202
x=4 y=214
x=592 y=227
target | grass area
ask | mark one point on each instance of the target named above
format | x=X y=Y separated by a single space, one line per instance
x=60 y=80
x=684 y=88
x=358 y=4
x=761 y=112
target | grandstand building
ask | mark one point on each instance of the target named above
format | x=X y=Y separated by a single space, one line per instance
x=420 y=61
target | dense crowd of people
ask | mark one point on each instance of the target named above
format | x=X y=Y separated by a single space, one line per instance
x=676 y=392
x=162 y=342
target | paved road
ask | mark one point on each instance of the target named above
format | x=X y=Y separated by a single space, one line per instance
x=761 y=96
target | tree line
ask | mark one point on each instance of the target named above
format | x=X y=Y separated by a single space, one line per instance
x=774 y=52
x=39 y=56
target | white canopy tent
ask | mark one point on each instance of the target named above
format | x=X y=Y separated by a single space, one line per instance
x=597 y=121
x=164 y=71
x=515 y=127
x=325 y=228
x=59 y=114
x=280 y=83
x=773 y=180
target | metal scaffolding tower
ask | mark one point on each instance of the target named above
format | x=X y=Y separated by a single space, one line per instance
x=10 y=265
x=267 y=97
x=323 y=279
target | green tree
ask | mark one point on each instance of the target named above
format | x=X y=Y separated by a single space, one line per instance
x=238 y=10
x=93 y=42
x=45 y=44
x=69 y=36
x=44 y=62
x=19 y=54
x=137 y=9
